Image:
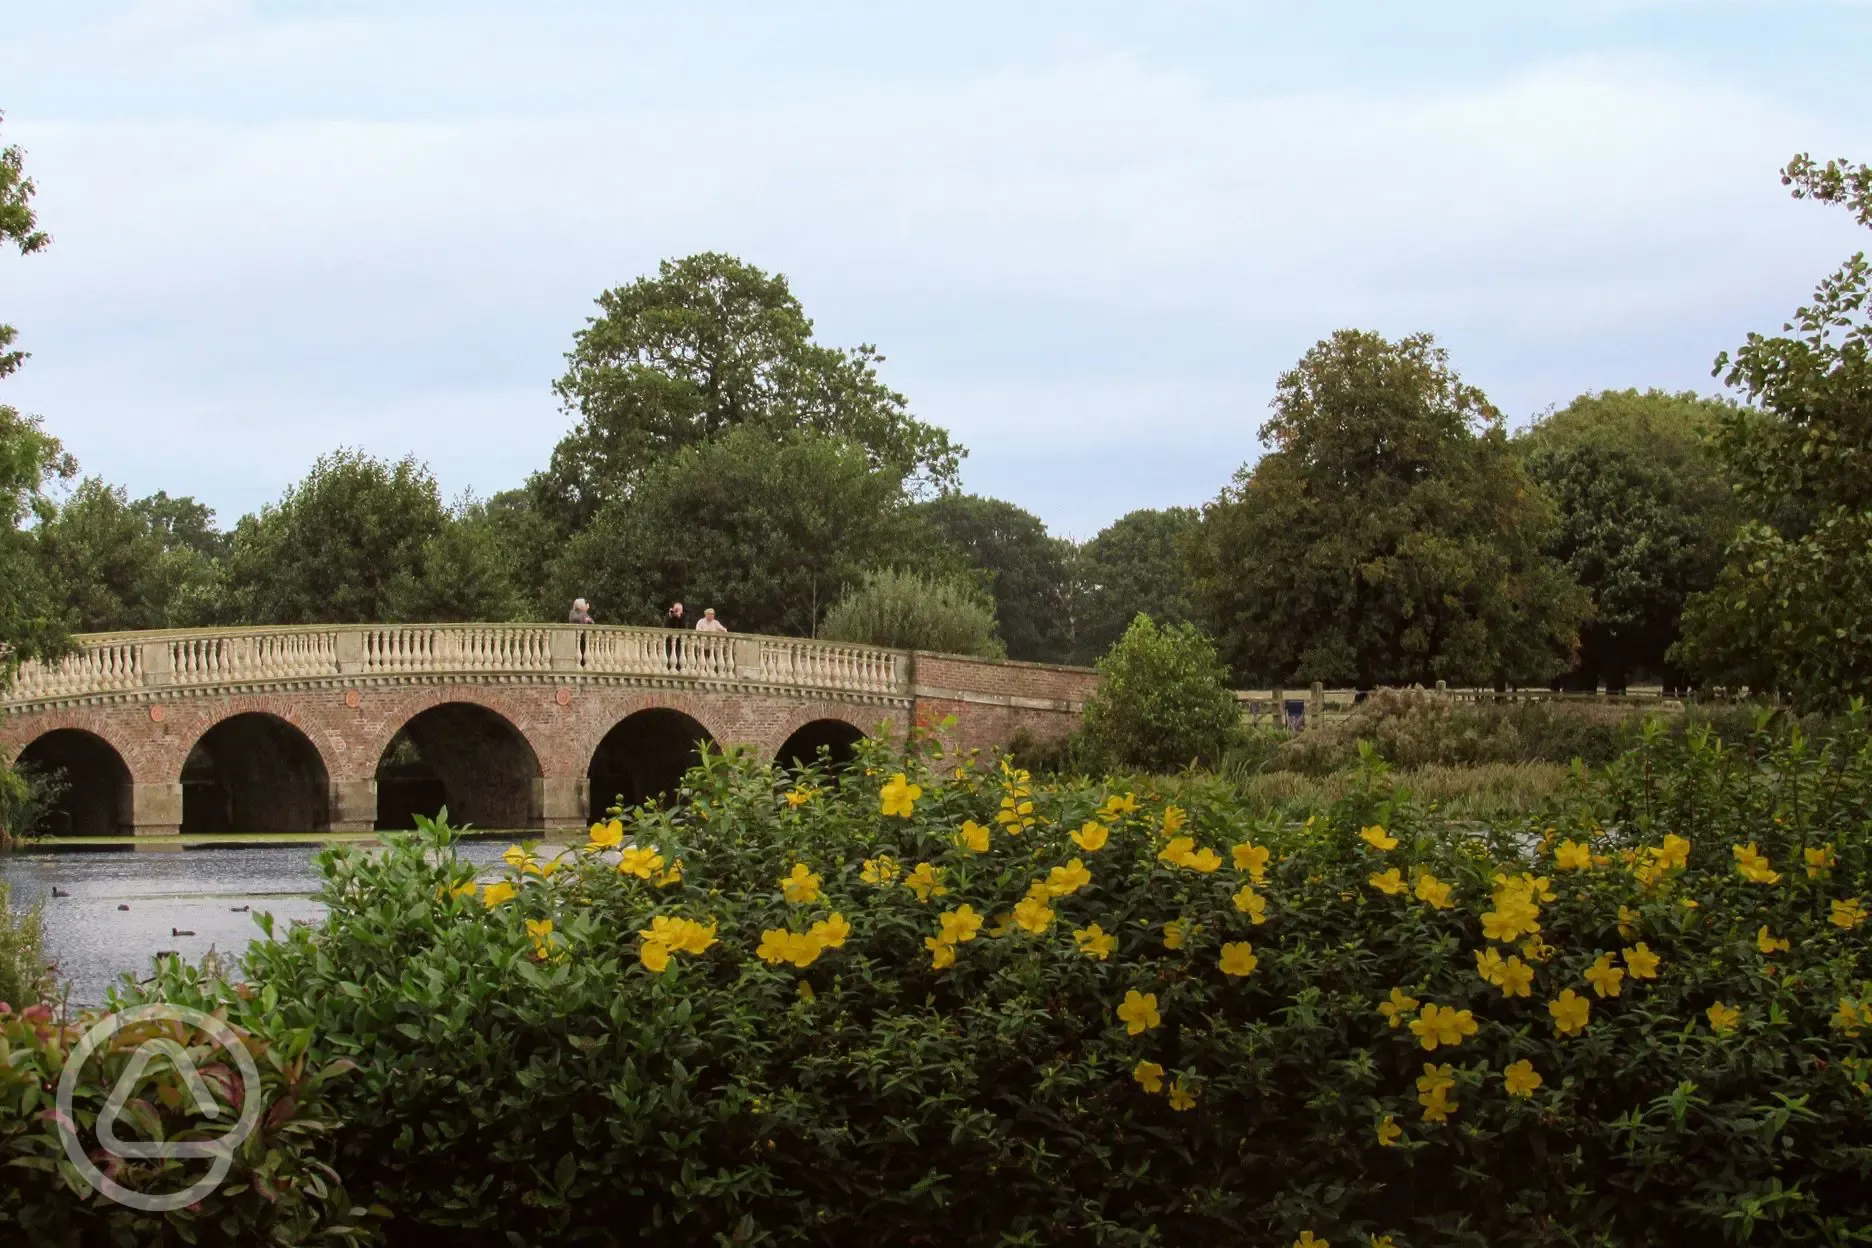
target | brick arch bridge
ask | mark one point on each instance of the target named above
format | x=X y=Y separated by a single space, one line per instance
x=350 y=727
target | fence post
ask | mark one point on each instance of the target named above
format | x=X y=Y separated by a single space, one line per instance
x=1316 y=704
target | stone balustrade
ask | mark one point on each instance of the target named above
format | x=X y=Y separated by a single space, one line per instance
x=207 y=659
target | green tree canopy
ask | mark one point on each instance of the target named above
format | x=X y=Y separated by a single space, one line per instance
x=361 y=540
x=916 y=611
x=769 y=533
x=707 y=345
x=1645 y=511
x=1134 y=565
x=1164 y=702
x=1028 y=570
x=1391 y=536
x=117 y=565
x=1792 y=609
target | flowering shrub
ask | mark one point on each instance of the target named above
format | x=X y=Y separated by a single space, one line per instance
x=943 y=1003
x=280 y=1189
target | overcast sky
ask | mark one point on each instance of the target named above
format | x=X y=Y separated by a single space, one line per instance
x=1088 y=236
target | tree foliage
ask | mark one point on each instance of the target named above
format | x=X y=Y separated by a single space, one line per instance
x=708 y=345
x=1028 y=570
x=916 y=611
x=1391 y=535
x=1645 y=511
x=769 y=533
x=1164 y=702
x=362 y=540
x=1792 y=610
x=1135 y=564
x=115 y=565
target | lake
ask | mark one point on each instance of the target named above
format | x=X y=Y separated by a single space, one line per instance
x=212 y=893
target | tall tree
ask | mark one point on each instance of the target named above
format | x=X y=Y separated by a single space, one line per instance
x=707 y=345
x=31 y=624
x=1792 y=609
x=1028 y=570
x=1391 y=536
x=769 y=533
x=1645 y=511
x=116 y=565
x=361 y=540
x=1135 y=565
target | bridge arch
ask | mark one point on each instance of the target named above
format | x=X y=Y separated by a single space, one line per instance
x=97 y=795
x=836 y=737
x=254 y=771
x=644 y=755
x=464 y=756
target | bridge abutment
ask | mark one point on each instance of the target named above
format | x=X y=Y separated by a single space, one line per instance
x=156 y=809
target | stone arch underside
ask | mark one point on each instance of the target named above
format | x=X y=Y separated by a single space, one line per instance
x=828 y=742
x=644 y=756
x=254 y=772
x=466 y=758
x=94 y=783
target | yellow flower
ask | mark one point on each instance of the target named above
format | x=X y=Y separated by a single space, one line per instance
x=1309 y=1240
x=1138 y=1012
x=1389 y=1132
x=898 y=796
x=1253 y=859
x=1847 y=914
x=1438 y=1025
x=960 y=925
x=1390 y=882
x=1641 y=962
x=925 y=881
x=1627 y=922
x=1178 y=850
x=1604 y=977
x=1432 y=890
x=1723 y=1018
x=669 y=877
x=1381 y=1241
x=497 y=892
x=1397 y=1007
x=1204 y=860
x=779 y=945
x=1095 y=942
x=797 y=797
x=539 y=931
x=1513 y=976
x=1573 y=856
x=1251 y=903
x=1534 y=950
x=1181 y=1097
x=973 y=837
x=681 y=935
x=1376 y=837
x=1674 y=854
x=1436 y=1078
x=879 y=871
x=517 y=857
x=1173 y=934
x=1174 y=819
x=942 y=952
x=463 y=890
x=1820 y=860
x=1032 y=915
x=607 y=835
x=833 y=930
x=1118 y=804
x=1067 y=880
x=654 y=956
x=1850 y=1016
x=1149 y=1076
x=640 y=861
x=1515 y=915
x=1091 y=837
x=1433 y=1089
x=801 y=885
x=1238 y=958
x=1753 y=866
x=1570 y=1013
x=1015 y=814
x=1521 y=1078
x=806 y=992
x=1768 y=942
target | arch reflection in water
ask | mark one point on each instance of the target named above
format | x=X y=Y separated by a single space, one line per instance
x=94 y=797
x=643 y=757
x=465 y=757
x=829 y=743
x=255 y=772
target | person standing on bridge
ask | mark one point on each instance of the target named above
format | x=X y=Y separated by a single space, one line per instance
x=708 y=623
x=580 y=613
x=672 y=649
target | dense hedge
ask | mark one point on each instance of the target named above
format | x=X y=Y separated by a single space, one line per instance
x=1156 y=1035
x=280 y=1188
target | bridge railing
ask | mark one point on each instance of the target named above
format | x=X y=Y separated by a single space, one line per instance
x=200 y=658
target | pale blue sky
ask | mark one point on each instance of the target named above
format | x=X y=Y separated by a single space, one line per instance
x=1088 y=236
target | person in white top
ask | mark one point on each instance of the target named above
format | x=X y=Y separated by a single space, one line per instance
x=708 y=623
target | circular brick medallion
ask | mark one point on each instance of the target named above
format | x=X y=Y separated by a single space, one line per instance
x=156 y=714
x=352 y=698
x=563 y=697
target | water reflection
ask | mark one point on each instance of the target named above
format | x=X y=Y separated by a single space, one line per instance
x=211 y=894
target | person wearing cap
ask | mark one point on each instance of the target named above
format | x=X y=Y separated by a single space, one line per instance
x=708 y=623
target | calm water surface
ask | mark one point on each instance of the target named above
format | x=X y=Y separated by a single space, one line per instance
x=213 y=893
